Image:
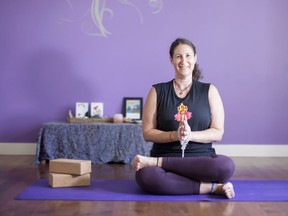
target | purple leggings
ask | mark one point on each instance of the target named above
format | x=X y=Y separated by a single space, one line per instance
x=183 y=175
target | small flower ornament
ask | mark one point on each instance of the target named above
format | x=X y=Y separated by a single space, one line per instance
x=182 y=111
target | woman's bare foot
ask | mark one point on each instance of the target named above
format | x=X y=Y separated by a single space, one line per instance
x=225 y=189
x=140 y=162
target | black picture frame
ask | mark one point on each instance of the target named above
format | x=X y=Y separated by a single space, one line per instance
x=132 y=108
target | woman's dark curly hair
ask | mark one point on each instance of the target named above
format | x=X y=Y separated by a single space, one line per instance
x=197 y=72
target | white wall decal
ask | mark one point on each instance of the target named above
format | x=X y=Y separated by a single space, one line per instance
x=98 y=10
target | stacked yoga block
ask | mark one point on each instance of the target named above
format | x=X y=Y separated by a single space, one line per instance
x=69 y=173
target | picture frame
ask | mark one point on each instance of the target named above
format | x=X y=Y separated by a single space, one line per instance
x=97 y=109
x=81 y=109
x=132 y=107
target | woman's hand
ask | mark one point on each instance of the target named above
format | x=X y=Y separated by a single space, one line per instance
x=184 y=130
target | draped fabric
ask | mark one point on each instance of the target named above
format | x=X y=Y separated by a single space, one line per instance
x=98 y=142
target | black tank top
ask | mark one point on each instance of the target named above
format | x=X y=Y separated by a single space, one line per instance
x=197 y=102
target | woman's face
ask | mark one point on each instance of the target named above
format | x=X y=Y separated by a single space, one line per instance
x=183 y=60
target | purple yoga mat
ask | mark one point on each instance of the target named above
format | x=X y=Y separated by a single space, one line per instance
x=128 y=190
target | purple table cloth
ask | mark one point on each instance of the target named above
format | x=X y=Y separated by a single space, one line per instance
x=98 y=142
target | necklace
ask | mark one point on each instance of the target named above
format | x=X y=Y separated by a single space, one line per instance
x=181 y=90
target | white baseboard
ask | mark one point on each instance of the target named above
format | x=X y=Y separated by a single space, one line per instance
x=245 y=150
x=232 y=150
x=17 y=148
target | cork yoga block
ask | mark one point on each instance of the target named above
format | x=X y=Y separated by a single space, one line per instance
x=69 y=166
x=67 y=180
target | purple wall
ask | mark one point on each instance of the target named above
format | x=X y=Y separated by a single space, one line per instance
x=50 y=59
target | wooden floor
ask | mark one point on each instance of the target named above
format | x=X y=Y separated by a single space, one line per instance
x=18 y=172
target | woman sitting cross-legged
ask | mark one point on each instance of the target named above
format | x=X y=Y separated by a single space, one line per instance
x=199 y=113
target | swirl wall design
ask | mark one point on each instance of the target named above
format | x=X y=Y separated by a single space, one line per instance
x=94 y=25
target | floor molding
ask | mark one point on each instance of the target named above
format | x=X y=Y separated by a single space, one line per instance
x=252 y=150
x=243 y=150
x=17 y=148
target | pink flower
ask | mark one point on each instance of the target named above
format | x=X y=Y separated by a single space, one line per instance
x=182 y=110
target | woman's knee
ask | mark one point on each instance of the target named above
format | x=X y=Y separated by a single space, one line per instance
x=225 y=168
x=147 y=180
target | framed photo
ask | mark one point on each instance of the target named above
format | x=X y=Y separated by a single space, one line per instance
x=132 y=107
x=81 y=109
x=96 y=110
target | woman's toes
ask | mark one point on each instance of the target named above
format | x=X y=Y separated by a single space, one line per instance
x=229 y=190
x=137 y=162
